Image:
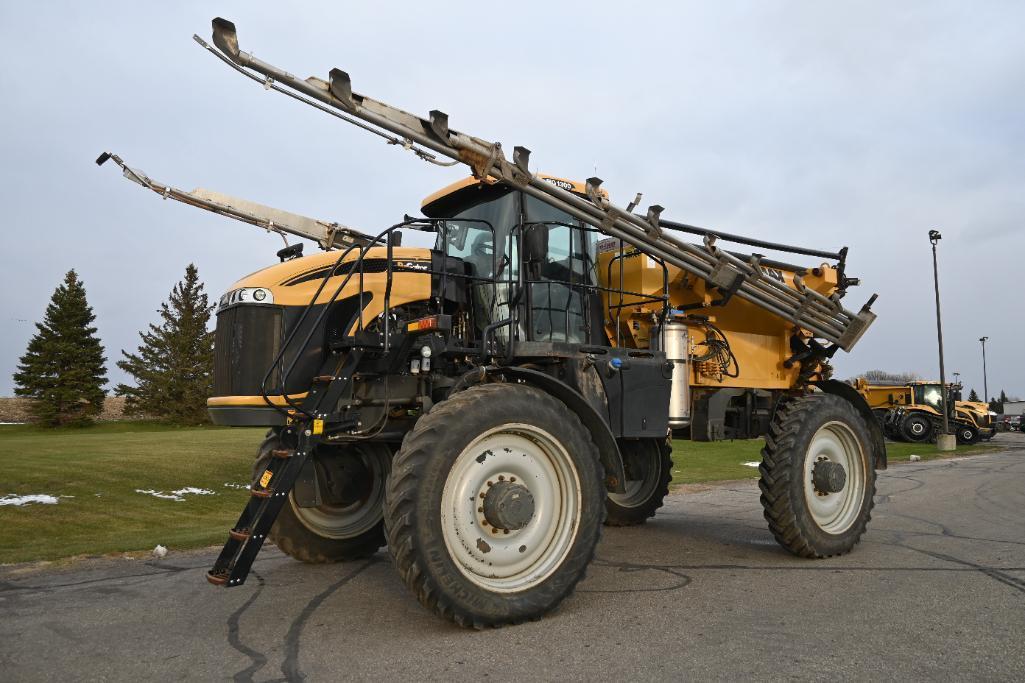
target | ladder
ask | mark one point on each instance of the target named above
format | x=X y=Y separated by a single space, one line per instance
x=270 y=493
x=329 y=235
x=825 y=317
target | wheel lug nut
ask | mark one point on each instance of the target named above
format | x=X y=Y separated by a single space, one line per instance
x=512 y=478
x=491 y=483
x=501 y=477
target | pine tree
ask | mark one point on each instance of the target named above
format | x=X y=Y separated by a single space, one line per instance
x=173 y=367
x=974 y=396
x=63 y=369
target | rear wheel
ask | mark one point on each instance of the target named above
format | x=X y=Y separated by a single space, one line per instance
x=817 y=478
x=494 y=505
x=917 y=427
x=349 y=525
x=649 y=469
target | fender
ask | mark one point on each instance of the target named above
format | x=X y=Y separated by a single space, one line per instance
x=844 y=390
x=608 y=450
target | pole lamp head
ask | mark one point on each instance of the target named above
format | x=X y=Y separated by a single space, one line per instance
x=983 y=340
x=935 y=236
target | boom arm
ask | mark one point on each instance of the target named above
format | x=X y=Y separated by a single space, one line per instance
x=327 y=235
x=823 y=316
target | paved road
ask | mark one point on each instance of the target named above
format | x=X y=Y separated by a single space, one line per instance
x=935 y=590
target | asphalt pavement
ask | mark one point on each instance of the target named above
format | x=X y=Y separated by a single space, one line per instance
x=935 y=590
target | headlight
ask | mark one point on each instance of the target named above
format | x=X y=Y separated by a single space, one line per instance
x=993 y=414
x=259 y=295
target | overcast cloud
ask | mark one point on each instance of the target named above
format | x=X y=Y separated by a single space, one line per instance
x=823 y=124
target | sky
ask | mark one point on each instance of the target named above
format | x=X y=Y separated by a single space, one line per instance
x=859 y=124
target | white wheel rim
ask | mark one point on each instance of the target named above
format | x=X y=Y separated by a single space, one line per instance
x=518 y=559
x=836 y=512
x=917 y=428
x=340 y=522
x=639 y=491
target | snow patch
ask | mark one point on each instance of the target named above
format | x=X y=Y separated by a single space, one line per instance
x=43 y=498
x=753 y=463
x=177 y=496
x=160 y=552
x=229 y=485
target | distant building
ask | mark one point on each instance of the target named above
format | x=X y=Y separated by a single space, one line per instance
x=1014 y=407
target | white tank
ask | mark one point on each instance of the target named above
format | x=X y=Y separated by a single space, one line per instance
x=675 y=342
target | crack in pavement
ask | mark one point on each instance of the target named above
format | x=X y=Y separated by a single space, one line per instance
x=257 y=659
x=290 y=665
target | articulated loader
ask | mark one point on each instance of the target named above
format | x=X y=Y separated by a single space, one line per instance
x=913 y=411
x=483 y=406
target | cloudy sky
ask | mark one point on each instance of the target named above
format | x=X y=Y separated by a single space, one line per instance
x=823 y=124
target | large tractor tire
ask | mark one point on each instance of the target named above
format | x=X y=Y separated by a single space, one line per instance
x=817 y=476
x=917 y=428
x=649 y=469
x=494 y=505
x=352 y=526
x=966 y=434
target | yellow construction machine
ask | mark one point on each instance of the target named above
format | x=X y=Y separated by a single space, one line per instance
x=913 y=411
x=483 y=403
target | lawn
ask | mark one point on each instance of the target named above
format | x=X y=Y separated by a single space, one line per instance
x=695 y=462
x=95 y=474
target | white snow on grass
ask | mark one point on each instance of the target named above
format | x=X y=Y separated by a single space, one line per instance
x=753 y=463
x=177 y=496
x=229 y=485
x=43 y=498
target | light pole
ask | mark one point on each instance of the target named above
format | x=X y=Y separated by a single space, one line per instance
x=934 y=237
x=985 y=385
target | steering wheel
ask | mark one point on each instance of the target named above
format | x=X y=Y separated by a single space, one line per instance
x=482 y=246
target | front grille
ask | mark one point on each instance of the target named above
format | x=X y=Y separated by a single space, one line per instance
x=246 y=342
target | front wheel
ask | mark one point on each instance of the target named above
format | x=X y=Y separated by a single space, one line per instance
x=349 y=524
x=494 y=505
x=649 y=469
x=817 y=476
x=967 y=435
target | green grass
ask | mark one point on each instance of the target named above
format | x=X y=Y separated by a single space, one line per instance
x=99 y=468
x=695 y=462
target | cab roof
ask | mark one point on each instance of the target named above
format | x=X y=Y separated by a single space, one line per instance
x=436 y=200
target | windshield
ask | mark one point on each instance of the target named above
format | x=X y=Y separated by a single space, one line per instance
x=929 y=394
x=467 y=234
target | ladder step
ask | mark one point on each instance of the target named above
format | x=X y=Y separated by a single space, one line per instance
x=283 y=453
x=218 y=578
x=323 y=379
x=261 y=493
x=239 y=534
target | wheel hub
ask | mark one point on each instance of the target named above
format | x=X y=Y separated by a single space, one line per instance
x=508 y=506
x=828 y=477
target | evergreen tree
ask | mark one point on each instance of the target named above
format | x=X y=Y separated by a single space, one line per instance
x=63 y=368
x=974 y=396
x=173 y=367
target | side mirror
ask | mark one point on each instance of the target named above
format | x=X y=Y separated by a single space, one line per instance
x=535 y=243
